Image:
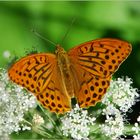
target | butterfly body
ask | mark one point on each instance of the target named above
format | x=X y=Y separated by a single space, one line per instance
x=64 y=69
x=84 y=72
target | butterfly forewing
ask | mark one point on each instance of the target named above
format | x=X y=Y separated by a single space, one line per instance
x=101 y=57
x=95 y=62
x=39 y=74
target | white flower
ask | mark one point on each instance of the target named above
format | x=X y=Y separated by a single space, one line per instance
x=121 y=94
x=113 y=126
x=6 y=54
x=14 y=102
x=76 y=123
x=138 y=119
x=37 y=119
x=118 y=100
x=25 y=127
x=136 y=128
x=136 y=137
x=110 y=110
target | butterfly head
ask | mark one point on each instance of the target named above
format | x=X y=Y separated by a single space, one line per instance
x=59 y=50
x=62 y=56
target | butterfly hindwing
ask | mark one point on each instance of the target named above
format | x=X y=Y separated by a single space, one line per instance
x=92 y=91
x=54 y=97
x=39 y=74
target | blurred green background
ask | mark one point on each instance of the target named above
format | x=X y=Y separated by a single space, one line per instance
x=52 y=19
x=94 y=19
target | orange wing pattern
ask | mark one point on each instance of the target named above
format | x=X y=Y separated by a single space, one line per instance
x=91 y=64
x=39 y=74
x=94 y=62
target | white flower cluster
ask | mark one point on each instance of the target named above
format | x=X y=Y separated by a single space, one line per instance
x=121 y=94
x=118 y=100
x=37 y=119
x=113 y=126
x=136 y=128
x=76 y=123
x=14 y=103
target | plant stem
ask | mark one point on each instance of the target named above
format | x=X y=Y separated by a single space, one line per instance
x=128 y=130
x=27 y=122
x=53 y=122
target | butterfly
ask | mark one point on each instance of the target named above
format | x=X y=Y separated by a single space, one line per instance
x=84 y=72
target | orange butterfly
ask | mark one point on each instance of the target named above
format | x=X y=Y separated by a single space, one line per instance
x=84 y=73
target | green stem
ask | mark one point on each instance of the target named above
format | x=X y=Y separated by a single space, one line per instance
x=41 y=132
x=27 y=122
x=94 y=128
x=53 y=122
x=128 y=130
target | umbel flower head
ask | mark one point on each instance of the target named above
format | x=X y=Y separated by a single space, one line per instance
x=121 y=94
x=14 y=103
x=37 y=119
x=120 y=97
x=76 y=123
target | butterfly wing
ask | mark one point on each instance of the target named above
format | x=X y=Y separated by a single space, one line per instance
x=94 y=62
x=89 y=88
x=39 y=74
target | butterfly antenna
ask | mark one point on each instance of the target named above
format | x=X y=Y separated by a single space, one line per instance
x=40 y=36
x=73 y=20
